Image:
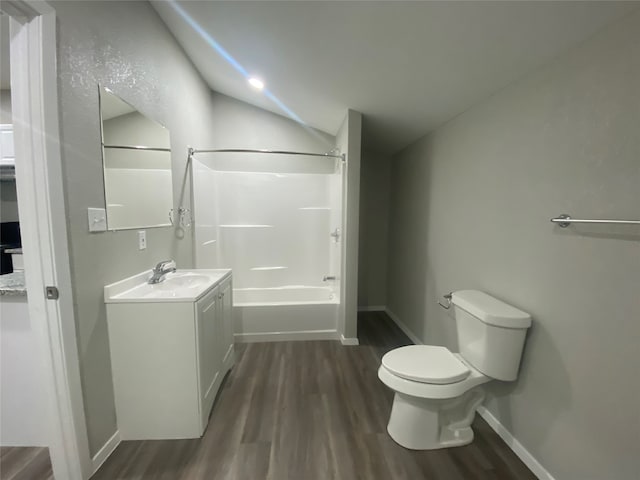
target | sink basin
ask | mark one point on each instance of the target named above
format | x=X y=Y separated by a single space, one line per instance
x=179 y=280
x=179 y=286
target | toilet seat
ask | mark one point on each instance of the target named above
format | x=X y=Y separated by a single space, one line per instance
x=425 y=364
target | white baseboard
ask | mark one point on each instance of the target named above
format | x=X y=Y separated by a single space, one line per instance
x=106 y=450
x=229 y=357
x=522 y=453
x=346 y=341
x=403 y=327
x=287 y=336
x=372 y=308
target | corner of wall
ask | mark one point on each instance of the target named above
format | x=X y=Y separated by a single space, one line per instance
x=349 y=141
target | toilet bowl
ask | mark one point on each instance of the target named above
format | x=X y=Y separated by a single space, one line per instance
x=437 y=391
x=435 y=408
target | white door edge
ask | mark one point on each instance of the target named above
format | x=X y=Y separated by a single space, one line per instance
x=39 y=182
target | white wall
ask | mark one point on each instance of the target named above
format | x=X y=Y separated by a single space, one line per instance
x=471 y=204
x=375 y=180
x=22 y=420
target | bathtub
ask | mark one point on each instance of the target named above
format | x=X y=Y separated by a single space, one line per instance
x=285 y=313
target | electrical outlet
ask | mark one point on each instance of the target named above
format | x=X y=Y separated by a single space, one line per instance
x=142 y=239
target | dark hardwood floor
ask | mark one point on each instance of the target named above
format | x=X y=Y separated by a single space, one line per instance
x=25 y=463
x=310 y=411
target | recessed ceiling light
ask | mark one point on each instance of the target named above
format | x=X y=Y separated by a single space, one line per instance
x=256 y=83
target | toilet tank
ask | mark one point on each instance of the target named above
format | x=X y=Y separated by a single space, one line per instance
x=491 y=333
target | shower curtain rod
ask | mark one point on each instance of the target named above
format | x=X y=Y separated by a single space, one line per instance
x=192 y=151
x=138 y=147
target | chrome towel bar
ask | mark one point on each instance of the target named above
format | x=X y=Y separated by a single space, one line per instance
x=565 y=220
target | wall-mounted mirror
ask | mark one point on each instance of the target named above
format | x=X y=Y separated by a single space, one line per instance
x=136 y=155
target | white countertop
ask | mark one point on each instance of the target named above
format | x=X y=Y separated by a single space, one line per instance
x=136 y=289
x=13 y=284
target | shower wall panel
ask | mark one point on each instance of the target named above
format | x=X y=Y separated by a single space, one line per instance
x=272 y=228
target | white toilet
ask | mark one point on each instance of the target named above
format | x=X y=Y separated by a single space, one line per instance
x=437 y=391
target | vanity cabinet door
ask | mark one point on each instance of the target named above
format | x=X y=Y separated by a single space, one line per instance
x=227 y=316
x=208 y=349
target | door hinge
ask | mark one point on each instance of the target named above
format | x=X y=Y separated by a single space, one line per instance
x=52 y=293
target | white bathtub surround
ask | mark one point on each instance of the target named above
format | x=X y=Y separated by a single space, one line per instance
x=285 y=313
x=274 y=229
x=259 y=223
x=286 y=295
x=300 y=197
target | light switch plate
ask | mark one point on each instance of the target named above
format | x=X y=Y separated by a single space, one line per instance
x=97 y=219
x=142 y=239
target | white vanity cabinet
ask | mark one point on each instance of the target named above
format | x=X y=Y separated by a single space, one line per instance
x=170 y=350
x=215 y=347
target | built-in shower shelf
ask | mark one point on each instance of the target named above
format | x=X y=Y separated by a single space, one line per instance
x=245 y=226
x=279 y=267
x=314 y=208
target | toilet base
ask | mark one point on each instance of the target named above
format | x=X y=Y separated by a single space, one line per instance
x=426 y=424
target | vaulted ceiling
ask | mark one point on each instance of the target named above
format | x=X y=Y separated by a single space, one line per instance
x=407 y=66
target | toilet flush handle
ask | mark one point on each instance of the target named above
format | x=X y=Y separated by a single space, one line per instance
x=447 y=297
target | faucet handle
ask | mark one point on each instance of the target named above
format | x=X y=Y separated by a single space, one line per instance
x=164 y=263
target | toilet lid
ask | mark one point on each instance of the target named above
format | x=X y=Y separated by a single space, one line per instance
x=426 y=364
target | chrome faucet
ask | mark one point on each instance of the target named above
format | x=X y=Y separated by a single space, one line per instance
x=161 y=269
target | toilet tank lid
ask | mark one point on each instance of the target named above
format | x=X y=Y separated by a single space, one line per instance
x=490 y=310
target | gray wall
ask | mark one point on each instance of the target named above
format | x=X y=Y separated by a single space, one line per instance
x=125 y=46
x=471 y=204
x=5 y=106
x=349 y=141
x=375 y=179
x=239 y=125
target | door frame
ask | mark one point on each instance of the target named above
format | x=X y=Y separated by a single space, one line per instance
x=40 y=189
